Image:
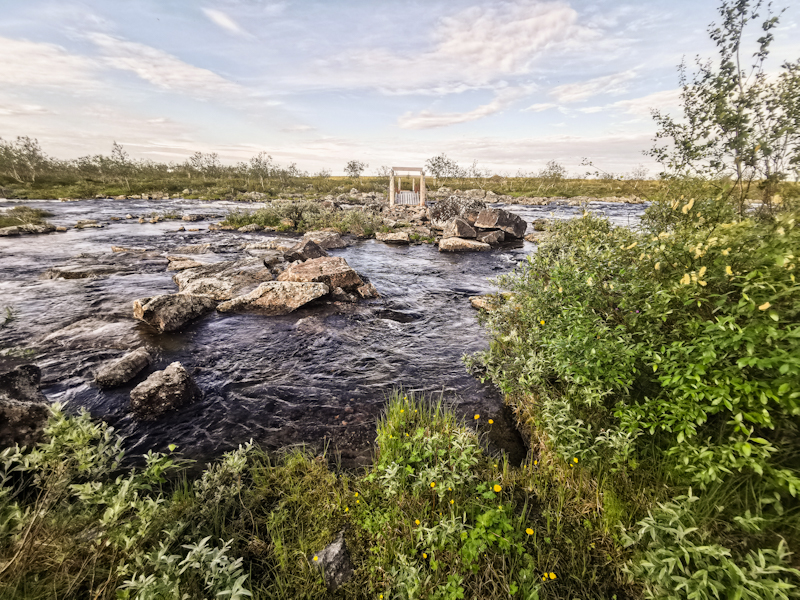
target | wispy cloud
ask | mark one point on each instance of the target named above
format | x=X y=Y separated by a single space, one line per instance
x=163 y=69
x=641 y=107
x=224 y=21
x=37 y=64
x=614 y=84
x=540 y=107
x=430 y=120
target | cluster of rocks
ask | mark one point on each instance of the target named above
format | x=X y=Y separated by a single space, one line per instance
x=27 y=228
x=274 y=279
x=469 y=224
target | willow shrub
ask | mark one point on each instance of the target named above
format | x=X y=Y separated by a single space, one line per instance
x=672 y=350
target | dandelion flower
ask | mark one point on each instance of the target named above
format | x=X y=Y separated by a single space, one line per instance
x=402 y=410
x=316 y=558
x=529 y=531
x=346 y=509
x=491 y=422
x=452 y=501
x=433 y=484
x=358 y=501
x=728 y=270
x=449 y=489
x=552 y=575
x=541 y=322
x=544 y=577
x=536 y=462
x=476 y=417
x=497 y=488
x=416 y=522
x=575 y=460
x=424 y=555
x=764 y=306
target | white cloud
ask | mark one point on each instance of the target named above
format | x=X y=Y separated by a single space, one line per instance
x=224 y=21
x=664 y=100
x=430 y=120
x=36 y=64
x=614 y=84
x=540 y=107
x=13 y=109
x=162 y=69
x=298 y=128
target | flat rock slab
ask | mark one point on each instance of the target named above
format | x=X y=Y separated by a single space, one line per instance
x=333 y=271
x=122 y=370
x=493 y=238
x=454 y=244
x=181 y=264
x=13 y=230
x=393 y=238
x=163 y=391
x=497 y=218
x=171 y=312
x=458 y=227
x=90 y=266
x=276 y=297
x=192 y=249
x=224 y=280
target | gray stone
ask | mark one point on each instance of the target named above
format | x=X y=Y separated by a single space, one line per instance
x=122 y=370
x=163 y=391
x=276 y=297
x=497 y=218
x=493 y=238
x=170 y=312
x=178 y=263
x=333 y=271
x=334 y=562
x=5 y=231
x=250 y=228
x=236 y=276
x=454 y=244
x=326 y=240
x=458 y=227
x=23 y=407
x=41 y=228
x=454 y=206
x=541 y=224
x=192 y=217
x=305 y=250
x=398 y=237
x=192 y=249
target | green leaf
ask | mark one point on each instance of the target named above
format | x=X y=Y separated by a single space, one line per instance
x=773 y=315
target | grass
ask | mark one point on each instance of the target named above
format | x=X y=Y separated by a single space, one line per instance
x=22 y=215
x=434 y=516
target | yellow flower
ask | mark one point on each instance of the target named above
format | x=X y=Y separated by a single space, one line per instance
x=575 y=460
x=476 y=417
x=702 y=271
x=658 y=266
x=529 y=531
x=358 y=501
x=415 y=410
x=764 y=306
x=552 y=575
x=497 y=488
x=688 y=206
x=560 y=289
x=491 y=422
x=452 y=501
x=433 y=484
x=726 y=252
x=416 y=522
x=536 y=462
x=356 y=494
x=316 y=558
x=728 y=270
x=402 y=411
x=449 y=489
x=424 y=555
x=541 y=322
x=544 y=577
x=685 y=280
x=346 y=509
x=406 y=435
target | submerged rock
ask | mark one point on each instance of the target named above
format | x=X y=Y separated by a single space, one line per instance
x=23 y=407
x=170 y=312
x=89 y=266
x=163 y=391
x=334 y=562
x=276 y=297
x=121 y=371
x=454 y=244
x=497 y=218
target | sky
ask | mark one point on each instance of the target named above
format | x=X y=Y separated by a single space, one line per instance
x=511 y=84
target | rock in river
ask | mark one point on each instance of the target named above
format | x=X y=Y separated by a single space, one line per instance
x=326 y=239
x=224 y=280
x=121 y=371
x=170 y=312
x=163 y=391
x=276 y=297
x=333 y=271
x=23 y=408
x=497 y=218
x=454 y=244
x=399 y=237
x=458 y=227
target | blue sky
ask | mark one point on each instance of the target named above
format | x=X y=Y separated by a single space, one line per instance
x=511 y=83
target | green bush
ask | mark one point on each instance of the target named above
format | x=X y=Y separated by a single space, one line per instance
x=668 y=356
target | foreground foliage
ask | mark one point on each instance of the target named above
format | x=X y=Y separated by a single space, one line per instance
x=434 y=517
x=668 y=361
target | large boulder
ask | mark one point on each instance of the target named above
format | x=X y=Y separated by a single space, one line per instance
x=305 y=250
x=334 y=563
x=170 y=312
x=224 y=280
x=326 y=239
x=455 y=206
x=454 y=244
x=23 y=407
x=276 y=297
x=333 y=271
x=122 y=370
x=459 y=227
x=163 y=391
x=497 y=218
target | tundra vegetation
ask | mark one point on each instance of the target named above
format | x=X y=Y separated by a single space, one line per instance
x=656 y=373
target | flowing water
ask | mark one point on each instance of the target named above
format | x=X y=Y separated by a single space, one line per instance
x=319 y=375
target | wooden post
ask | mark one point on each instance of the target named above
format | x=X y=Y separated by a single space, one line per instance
x=391 y=189
x=422 y=190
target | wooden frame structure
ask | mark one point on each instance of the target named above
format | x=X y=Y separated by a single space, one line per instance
x=396 y=193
